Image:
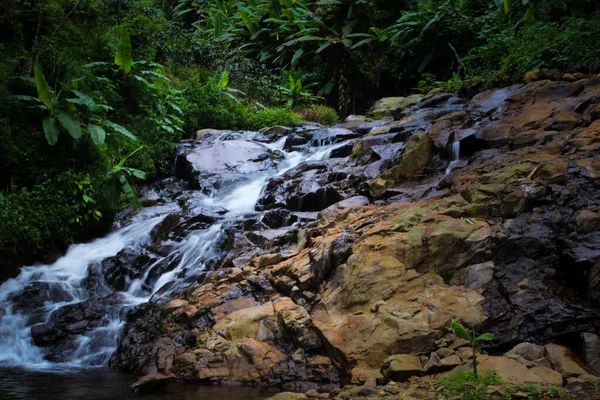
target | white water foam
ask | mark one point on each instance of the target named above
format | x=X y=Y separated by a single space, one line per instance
x=63 y=279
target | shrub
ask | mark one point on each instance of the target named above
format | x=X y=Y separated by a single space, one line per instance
x=51 y=215
x=322 y=114
x=271 y=117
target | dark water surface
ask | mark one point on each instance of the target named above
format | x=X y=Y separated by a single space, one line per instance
x=101 y=384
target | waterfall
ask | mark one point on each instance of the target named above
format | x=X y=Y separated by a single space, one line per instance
x=455 y=155
x=67 y=282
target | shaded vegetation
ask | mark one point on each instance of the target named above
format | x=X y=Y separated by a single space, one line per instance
x=95 y=94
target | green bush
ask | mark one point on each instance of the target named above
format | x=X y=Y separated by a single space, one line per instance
x=271 y=117
x=322 y=114
x=53 y=214
x=570 y=46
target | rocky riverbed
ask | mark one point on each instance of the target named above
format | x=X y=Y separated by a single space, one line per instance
x=353 y=262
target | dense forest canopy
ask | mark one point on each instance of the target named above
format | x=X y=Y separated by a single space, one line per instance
x=94 y=94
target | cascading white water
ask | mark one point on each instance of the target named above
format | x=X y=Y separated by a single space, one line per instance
x=455 y=156
x=63 y=280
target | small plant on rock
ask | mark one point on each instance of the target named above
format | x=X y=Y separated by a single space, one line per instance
x=461 y=332
x=468 y=387
x=534 y=391
x=556 y=392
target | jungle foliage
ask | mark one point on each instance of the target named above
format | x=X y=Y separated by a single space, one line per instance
x=94 y=94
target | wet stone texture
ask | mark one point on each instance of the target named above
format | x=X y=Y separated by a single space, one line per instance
x=352 y=264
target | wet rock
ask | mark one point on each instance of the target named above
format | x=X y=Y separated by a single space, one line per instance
x=507 y=244
x=222 y=163
x=150 y=383
x=58 y=335
x=332 y=135
x=120 y=270
x=591 y=351
x=279 y=218
x=415 y=157
x=336 y=208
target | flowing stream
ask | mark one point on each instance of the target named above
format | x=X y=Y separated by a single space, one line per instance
x=66 y=282
x=455 y=156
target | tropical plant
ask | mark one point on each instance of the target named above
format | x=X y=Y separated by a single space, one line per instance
x=221 y=84
x=117 y=181
x=76 y=115
x=84 y=202
x=297 y=93
x=461 y=332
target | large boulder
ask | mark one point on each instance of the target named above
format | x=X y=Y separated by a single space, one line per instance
x=400 y=367
x=416 y=156
x=389 y=106
x=591 y=351
x=222 y=163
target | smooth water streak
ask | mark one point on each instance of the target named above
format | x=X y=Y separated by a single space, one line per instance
x=63 y=281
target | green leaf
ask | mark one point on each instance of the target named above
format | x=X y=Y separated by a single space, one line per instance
x=26 y=98
x=324 y=46
x=156 y=75
x=223 y=80
x=70 y=123
x=460 y=331
x=486 y=336
x=138 y=174
x=124 y=58
x=297 y=55
x=96 y=64
x=97 y=133
x=42 y=86
x=176 y=108
x=50 y=130
x=127 y=189
x=168 y=128
x=118 y=128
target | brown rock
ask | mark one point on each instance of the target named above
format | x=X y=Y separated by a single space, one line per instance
x=288 y=396
x=450 y=362
x=509 y=370
x=563 y=361
x=151 y=382
x=247 y=323
x=269 y=259
x=548 y=375
x=587 y=221
x=400 y=367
